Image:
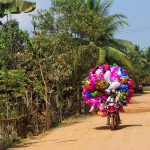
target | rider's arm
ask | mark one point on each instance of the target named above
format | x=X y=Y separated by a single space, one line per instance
x=117 y=99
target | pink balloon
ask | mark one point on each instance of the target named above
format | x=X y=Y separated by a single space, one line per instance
x=93 y=101
x=84 y=93
x=93 y=79
x=88 y=102
x=114 y=69
x=101 y=75
x=115 y=77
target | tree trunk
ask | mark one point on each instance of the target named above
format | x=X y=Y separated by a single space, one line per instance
x=78 y=101
x=48 y=121
x=59 y=107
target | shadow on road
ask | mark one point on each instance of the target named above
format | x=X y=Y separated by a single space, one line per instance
x=31 y=143
x=120 y=127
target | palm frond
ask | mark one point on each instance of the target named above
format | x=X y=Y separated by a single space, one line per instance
x=124 y=46
x=113 y=55
x=104 y=7
x=116 y=21
x=91 y=4
x=97 y=5
x=117 y=16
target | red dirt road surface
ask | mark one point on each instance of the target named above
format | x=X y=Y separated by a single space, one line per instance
x=91 y=133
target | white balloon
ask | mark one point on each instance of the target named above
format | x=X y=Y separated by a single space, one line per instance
x=114 y=85
x=119 y=72
x=98 y=71
x=107 y=76
x=107 y=91
x=92 y=109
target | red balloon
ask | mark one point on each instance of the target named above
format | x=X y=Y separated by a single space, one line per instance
x=131 y=91
x=128 y=99
x=130 y=83
x=96 y=86
x=106 y=67
x=91 y=70
x=121 y=108
x=89 y=88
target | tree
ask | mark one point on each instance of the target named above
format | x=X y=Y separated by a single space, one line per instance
x=90 y=21
x=110 y=48
x=148 y=54
x=12 y=43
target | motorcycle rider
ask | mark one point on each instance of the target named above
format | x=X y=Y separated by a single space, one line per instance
x=113 y=98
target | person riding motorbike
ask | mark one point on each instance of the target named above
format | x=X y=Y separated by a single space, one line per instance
x=113 y=98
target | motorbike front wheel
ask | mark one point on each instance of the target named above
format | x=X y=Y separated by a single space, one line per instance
x=114 y=122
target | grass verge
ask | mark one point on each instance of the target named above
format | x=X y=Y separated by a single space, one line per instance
x=146 y=88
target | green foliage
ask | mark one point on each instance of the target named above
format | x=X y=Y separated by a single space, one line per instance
x=141 y=66
x=11 y=44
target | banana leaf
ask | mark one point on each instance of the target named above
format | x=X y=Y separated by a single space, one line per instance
x=5 y=1
x=16 y=7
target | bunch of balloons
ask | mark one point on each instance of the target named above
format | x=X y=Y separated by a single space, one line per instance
x=101 y=81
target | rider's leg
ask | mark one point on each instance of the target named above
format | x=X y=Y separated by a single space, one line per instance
x=108 y=119
x=120 y=122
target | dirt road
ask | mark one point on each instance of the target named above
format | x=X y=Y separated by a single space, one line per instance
x=92 y=134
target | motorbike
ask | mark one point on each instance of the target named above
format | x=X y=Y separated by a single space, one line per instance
x=113 y=118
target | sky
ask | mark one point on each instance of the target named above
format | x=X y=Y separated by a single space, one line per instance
x=137 y=12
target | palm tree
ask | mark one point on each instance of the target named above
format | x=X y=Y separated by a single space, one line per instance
x=111 y=49
x=101 y=7
x=148 y=54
